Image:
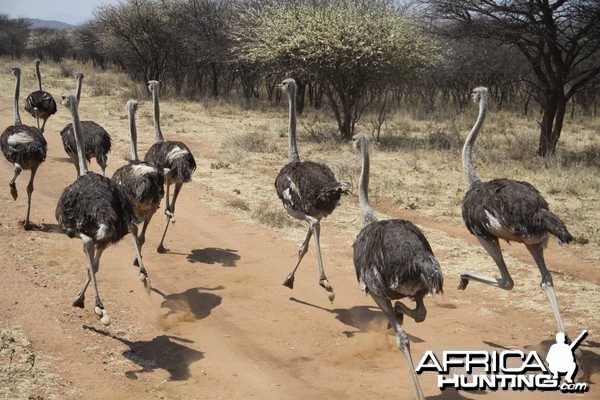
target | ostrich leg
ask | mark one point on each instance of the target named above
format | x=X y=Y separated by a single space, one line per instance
x=143 y=274
x=493 y=248
x=302 y=250
x=27 y=225
x=401 y=340
x=537 y=252
x=169 y=211
x=12 y=184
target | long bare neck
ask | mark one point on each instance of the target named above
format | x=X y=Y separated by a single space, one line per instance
x=39 y=75
x=467 y=153
x=16 y=100
x=79 y=140
x=158 y=134
x=132 y=134
x=79 y=80
x=363 y=186
x=293 y=155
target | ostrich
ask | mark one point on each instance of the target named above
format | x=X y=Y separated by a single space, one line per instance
x=40 y=104
x=510 y=210
x=308 y=191
x=172 y=157
x=24 y=146
x=141 y=182
x=97 y=140
x=94 y=209
x=393 y=260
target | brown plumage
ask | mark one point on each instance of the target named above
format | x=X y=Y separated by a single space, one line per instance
x=95 y=210
x=40 y=104
x=510 y=210
x=393 y=260
x=97 y=140
x=308 y=191
x=140 y=181
x=25 y=147
x=174 y=158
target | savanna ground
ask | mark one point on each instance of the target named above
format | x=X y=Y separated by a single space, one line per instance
x=218 y=323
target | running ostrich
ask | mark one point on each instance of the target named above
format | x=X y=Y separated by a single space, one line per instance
x=308 y=191
x=393 y=260
x=97 y=140
x=40 y=104
x=141 y=182
x=172 y=157
x=94 y=209
x=25 y=147
x=510 y=210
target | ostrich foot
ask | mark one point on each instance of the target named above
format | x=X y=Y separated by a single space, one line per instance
x=464 y=281
x=162 y=249
x=325 y=284
x=28 y=226
x=13 y=191
x=289 y=281
x=79 y=302
x=104 y=318
x=146 y=281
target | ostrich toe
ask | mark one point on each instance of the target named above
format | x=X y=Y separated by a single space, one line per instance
x=13 y=191
x=327 y=286
x=464 y=281
x=289 y=282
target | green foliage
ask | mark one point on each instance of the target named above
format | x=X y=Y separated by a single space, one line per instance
x=341 y=36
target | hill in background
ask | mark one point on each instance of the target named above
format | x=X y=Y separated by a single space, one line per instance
x=42 y=23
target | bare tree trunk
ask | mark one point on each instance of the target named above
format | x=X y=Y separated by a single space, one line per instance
x=552 y=122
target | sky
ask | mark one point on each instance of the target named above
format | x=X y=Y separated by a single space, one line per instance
x=70 y=11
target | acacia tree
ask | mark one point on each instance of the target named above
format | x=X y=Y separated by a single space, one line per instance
x=346 y=46
x=135 y=35
x=13 y=35
x=557 y=38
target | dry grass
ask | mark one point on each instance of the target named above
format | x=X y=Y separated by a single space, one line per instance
x=416 y=166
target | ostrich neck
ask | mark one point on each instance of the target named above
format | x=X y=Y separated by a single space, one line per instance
x=133 y=135
x=39 y=76
x=16 y=102
x=467 y=153
x=158 y=134
x=79 y=79
x=363 y=188
x=293 y=155
x=79 y=141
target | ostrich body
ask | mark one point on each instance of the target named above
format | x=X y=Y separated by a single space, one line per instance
x=309 y=192
x=141 y=182
x=24 y=146
x=94 y=209
x=393 y=260
x=510 y=210
x=172 y=157
x=40 y=104
x=97 y=140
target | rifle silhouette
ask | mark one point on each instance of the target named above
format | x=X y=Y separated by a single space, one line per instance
x=577 y=340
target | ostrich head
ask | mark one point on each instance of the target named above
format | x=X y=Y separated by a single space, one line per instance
x=153 y=86
x=66 y=99
x=359 y=141
x=78 y=75
x=132 y=105
x=288 y=86
x=480 y=93
x=37 y=61
x=16 y=72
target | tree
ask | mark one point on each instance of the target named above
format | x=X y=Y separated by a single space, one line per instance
x=47 y=42
x=135 y=35
x=559 y=40
x=13 y=35
x=346 y=46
